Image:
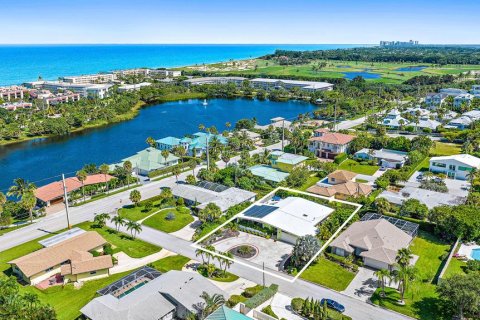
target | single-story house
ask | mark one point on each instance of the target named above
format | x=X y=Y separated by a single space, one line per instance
x=340 y=184
x=394 y=120
x=285 y=161
x=456 y=166
x=209 y=192
x=225 y=313
x=255 y=137
x=268 y=173
x=375 y=241
x=427 y=123
x=461 y=123
x=472 y=114
x=277 y=122
x=168 y=296
x=71 y=258
x=53 y=193
x=293 y=217
x=326 y=144
x=385 y=157
x=149 y=160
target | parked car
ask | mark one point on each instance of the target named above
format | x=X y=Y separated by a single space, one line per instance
x=420 y=177
x=332 y=304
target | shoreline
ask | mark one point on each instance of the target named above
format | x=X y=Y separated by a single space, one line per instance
x=121 y=118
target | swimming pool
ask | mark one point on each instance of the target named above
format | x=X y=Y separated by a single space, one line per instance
x=475 y=254
x=123 y=294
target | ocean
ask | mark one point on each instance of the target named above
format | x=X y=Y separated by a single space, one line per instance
x=22 y=63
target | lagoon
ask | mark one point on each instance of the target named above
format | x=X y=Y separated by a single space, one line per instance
x=364 y=75
x=43 y=160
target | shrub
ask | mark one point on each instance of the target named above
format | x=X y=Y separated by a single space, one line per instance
x=251 y=291
x=180 y=202
x=261 y=297
x=297 y=304
x=268 y=310
x=340 y=158
x=170 y=216
x=234 y=300
x=148 y=206
x=107 y=249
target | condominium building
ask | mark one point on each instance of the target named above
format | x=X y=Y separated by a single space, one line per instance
x=90 y=78
x=88 y=90
x=61 y=98
x=310 y=86
x=214 y=80
x=132 y=72
x=12 y=92
x=12 y=106
x=133 y=87
x=164 y=73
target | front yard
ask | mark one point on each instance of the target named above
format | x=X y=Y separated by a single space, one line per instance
x=354 y=166
x=420 y=298
x=328 y=274
x=170 y=219
x=170 y=263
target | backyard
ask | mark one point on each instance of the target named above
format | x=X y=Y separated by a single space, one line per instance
x=310 y=182
x=170 y=219
x=445 y=149
x=354 y=166
x=328 y=274
x=421 y=297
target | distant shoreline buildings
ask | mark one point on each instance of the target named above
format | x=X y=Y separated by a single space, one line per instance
x=410 y=43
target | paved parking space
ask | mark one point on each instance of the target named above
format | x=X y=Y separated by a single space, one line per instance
x=363 y=285
x=270 y=252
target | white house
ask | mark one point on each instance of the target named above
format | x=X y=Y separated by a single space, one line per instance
x=475 y=90
x=461 y=123
x=385 y=157
x=394 y=120
x=453 y=91
x=456 y=166
x=433 y=100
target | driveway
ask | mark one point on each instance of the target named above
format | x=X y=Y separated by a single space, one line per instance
x=363 y=285
x=270 y=252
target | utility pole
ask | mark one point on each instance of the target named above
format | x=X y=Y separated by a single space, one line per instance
x=66 y=199
x=263 y=274
x=283 y=134
x=335 y=117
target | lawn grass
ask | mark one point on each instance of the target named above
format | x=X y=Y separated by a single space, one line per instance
x=328 y=274
x=6 y=230
x=134 y=248
x=310 y=182
x=159 y=221
x=455 y=266
x=445 y=149
x=354 y=166
x=135 y=213
x=421 y=299
x=170 y=263
x=228 y=277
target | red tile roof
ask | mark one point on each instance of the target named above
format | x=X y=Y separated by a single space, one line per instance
x=334 y=138
x=54 y=190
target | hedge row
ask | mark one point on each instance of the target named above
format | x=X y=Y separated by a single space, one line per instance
x=340 y=158
x=262 y=296
x=167 y=170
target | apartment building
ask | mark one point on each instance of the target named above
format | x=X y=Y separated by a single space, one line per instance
x=90 y=78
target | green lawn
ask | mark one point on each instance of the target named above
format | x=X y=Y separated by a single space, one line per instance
x=134 y=248
x=229 y=277
x=421 y=298
x=354 y=166
x=135 y=213
x=445 y=149
x=455 y=266
x=328 y=274
x=160 y=222
x=310 y=182
x=170 y=263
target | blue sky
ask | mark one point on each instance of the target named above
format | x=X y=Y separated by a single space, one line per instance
x=233 y=21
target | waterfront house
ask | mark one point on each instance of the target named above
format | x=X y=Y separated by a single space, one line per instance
x=276 y=122
x=148 y=160
x=340 y=184
x=168 y=143
x=326 y=144
x=150 y=295
x=384 y=157
x=70 y=260
x=53 y=193
x=376 y=241
x=195 y=146
x=457 y=166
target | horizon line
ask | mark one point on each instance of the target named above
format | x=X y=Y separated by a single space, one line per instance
x=217 y=44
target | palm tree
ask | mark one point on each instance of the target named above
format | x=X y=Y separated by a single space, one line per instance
x=134 y=228
x=127 y=165
x=165 y=154
x=28 y=202
x=180 y=152
x=82 y=176
x=26 y=192
x=201 y=253
x=403 y=257
x=226 y=157
x=404 y=275
x=382 y=275
x=176 y=171
x=101 y=219
x=151 y=142
x=118 y=221
x=135 y=196
x=192 y=164
x=228 y=125
x=472 y=175
x=104 y=169
x=211 y=303
x=228 y=262
x=201 y=127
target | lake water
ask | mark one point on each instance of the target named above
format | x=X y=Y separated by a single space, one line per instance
x=411 y=69
x=40 y=160
x=22 y=63
x=365 y=75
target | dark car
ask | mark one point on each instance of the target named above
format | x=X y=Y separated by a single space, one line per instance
x=332 y=304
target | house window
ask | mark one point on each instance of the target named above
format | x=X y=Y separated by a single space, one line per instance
x=440 y=165
x=451 y=167
x=464 y=168
x=93 y=272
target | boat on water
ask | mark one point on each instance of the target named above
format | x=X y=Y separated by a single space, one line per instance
x=205 y=103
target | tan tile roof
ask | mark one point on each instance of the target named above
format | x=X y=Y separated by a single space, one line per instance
x=73 y=249
x=379 y=238
x=334 y=138
x=348 y=188
x=54 y=190
x=342 y=175
x=87 y=265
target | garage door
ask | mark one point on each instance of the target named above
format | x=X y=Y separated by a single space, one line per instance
x=375 y=264
x=289 y=238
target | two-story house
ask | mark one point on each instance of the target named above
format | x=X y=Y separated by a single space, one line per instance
x=462 y=99
x=434 y=100
x=456 y=166
x=326 y=144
